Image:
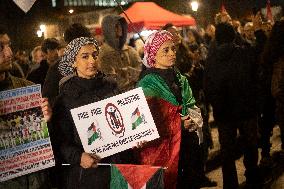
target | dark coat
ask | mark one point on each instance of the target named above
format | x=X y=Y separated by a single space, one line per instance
x=229 y=82
x=278 y=88
x=38 y=75
x=74 y=93
x=51 y=84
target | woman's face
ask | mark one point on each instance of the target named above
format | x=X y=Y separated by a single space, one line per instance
x=86 y=62
x=166 y=55
x=38 y=56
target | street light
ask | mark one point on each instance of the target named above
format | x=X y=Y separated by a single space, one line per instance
x=71 y=11
x=42 y=28
x=39 y=33
x=194 y=5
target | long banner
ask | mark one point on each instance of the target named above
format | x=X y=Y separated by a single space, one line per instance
x=115 y=124
x=24 y=139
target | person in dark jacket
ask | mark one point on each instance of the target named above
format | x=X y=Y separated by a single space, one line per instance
x=266 y=103
x=50 y=48
x=82 y=84
x=229 y=87
x=274 y=57
x=51 y=90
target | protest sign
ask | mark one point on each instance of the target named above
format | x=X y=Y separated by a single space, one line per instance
x=24 y=139
x=115 y=124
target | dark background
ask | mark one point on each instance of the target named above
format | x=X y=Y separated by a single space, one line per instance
x=22 y=26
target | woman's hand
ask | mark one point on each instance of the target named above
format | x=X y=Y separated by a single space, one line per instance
x=96 y=160
x=46 y=109
x=187 y=122
x=89 y=160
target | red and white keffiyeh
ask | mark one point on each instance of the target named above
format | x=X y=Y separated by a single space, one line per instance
x=152 y=45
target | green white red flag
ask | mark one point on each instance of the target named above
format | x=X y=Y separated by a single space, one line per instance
x=126 y=176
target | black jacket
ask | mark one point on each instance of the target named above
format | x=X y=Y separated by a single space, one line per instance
x=38 y=75
x=74 y=93
x=51 y=84
x=230 y=77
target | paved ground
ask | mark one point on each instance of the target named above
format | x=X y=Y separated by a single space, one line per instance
x=277 y=174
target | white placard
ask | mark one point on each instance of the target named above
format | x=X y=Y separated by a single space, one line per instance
x=25 y=145
x=115 y=124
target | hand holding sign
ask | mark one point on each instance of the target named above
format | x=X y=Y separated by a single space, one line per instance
x=89 y=160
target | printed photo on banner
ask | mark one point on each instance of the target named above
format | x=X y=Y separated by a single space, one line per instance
x=115 y=124
x=24 y=139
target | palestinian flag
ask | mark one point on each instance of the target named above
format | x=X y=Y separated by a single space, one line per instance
x=136 y=118
x=92 y=134
x=165 y=109
x=125 y=176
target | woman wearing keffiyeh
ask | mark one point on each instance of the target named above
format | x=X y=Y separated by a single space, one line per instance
x=170 y=99
x=83 y=84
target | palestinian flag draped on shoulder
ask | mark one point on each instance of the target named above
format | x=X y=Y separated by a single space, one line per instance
x=136 y=177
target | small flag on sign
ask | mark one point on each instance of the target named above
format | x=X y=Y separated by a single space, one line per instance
x=136 y=118
x=92 y=134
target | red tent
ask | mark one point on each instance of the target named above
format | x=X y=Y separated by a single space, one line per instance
x=149 y=15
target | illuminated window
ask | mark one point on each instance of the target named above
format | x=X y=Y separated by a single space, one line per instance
x=53 y=3
x=102 y=3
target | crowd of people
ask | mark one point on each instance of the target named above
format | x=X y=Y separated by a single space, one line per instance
x=235 y=70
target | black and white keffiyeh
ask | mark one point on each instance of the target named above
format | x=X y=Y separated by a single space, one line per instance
x=68 y=59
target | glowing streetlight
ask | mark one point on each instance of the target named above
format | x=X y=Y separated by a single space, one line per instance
x=39 y=33
x=42 y=27
x=194 y=5
x=71 y=11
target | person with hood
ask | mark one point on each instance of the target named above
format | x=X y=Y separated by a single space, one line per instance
x=230 y=88
x=119 y=60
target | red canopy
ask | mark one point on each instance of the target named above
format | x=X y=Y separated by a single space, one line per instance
x=149 y=15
